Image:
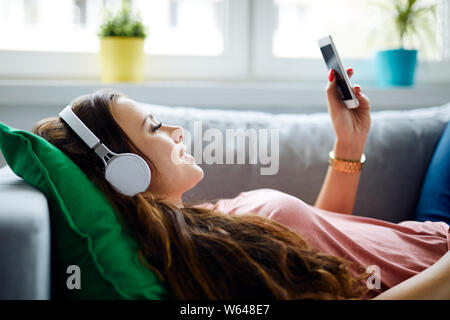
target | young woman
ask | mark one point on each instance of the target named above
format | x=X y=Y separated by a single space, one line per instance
x=262 y=244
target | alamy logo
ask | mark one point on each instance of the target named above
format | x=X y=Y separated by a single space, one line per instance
x=260 y=142
x=374 y=280
x=74 y=280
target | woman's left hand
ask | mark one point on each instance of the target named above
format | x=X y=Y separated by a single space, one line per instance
x=350 y=125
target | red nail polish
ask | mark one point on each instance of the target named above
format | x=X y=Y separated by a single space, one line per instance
x=350 y=69
x=331 y=75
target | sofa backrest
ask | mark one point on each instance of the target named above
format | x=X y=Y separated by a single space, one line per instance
x=398 y=149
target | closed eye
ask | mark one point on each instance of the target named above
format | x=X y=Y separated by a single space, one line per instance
x=154 y=129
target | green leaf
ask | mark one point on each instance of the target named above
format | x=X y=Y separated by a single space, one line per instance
x=122 y=23
x=409 y=17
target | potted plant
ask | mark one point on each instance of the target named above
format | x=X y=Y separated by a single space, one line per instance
x=122 y=37
x=410 y=18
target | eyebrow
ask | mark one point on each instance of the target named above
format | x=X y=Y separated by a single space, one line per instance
x=149 y=116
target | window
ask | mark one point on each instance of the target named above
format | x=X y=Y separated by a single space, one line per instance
x=178 y=27
x=184 y=27
x=33 y=25
x=211 y=39
x=189 y=39
x=286 y=32
x=355 y=25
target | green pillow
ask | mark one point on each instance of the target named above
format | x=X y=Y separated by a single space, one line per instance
x=85 y=230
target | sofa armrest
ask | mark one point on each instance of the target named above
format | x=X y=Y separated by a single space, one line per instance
x=24 y=240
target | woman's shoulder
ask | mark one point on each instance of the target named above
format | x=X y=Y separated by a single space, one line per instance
x=263 y=192
x=263 y=201
x=265 y=196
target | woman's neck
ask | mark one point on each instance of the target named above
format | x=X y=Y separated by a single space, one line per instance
x=173 y=199
x=176 y=200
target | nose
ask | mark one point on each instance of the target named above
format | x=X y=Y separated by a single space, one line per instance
x=177 y=134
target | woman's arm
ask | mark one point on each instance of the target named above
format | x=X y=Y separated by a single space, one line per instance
x=431 y=284
x=338 y=192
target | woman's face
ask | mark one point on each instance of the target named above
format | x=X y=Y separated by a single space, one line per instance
x=176 y=170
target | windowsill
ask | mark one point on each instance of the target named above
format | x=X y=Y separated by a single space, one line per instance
x=271 y=96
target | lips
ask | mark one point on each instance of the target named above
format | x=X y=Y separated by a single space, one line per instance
x=184 y=156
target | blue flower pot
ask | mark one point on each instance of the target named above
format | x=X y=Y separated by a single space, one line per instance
x=396 y=67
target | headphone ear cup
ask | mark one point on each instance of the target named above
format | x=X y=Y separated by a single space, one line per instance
x=128 y=173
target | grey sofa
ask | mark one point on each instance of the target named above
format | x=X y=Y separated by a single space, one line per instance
x=399 y=148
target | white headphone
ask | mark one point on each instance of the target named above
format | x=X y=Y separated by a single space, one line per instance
x=128 y=173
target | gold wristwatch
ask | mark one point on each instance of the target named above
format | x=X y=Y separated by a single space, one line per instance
x=344 y=165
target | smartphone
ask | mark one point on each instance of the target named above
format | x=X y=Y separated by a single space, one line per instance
x=332 y=61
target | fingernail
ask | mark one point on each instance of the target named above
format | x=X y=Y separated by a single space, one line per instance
x=330 y=75
x=350 y=69
x=357 y=87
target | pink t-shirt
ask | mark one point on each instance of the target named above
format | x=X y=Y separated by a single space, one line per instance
x=395 y=252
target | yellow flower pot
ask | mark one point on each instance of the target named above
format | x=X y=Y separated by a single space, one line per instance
x=122 y=59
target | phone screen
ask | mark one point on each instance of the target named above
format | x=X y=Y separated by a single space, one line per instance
x=332 y=63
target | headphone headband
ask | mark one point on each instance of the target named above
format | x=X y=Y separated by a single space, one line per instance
x=128 y=173
x=79 y=127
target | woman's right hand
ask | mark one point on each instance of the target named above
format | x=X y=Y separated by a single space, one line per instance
x=350 y=125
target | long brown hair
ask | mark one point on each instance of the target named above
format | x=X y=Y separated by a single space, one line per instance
x=197 y=252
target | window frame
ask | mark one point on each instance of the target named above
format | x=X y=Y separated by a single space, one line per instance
x=247 y=57
x=265 y=66
x=232 y=64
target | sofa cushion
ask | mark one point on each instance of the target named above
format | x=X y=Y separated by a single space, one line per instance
x=85 y=229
